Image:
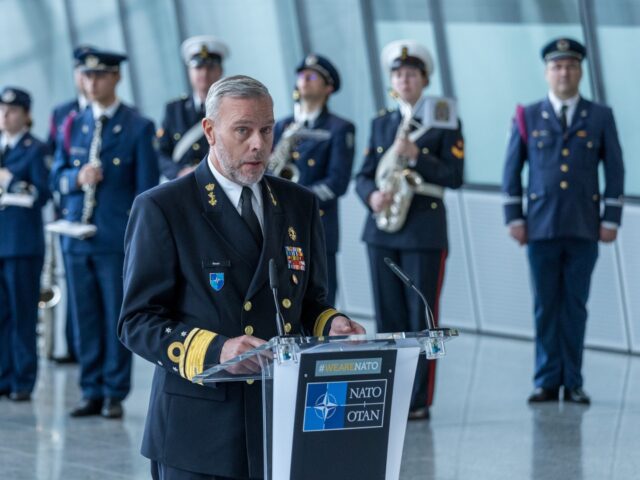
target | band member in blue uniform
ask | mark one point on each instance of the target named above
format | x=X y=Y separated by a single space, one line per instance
x=106 y=158
x=323 y=164
x=58 y=117
x=564 y=138
x=420 y=246
x=180 y=139
x=208 y=298
x=22 y=171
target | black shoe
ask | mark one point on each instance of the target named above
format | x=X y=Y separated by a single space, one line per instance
x=87 y=408
x=112 y=408
x=420 y=413
x=20 y=396
x=543 y=395
x=65 y=360
x=576 y=395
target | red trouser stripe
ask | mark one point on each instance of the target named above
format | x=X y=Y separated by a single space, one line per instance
x=436 y=314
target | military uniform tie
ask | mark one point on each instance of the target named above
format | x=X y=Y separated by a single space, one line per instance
x=249 y=216
x=563 y=117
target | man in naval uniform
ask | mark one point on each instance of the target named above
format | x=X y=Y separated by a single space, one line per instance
x=180 y=138
x=324 y=164
x=420 y=246
x=564 y=138
x=197 y=287
x=106 y=149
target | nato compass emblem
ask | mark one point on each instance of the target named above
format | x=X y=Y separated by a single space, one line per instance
x=216 y=280
x=326 y=406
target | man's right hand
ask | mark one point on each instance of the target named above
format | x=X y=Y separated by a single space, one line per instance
x=519 y=233
x=238 y=345
x=89 y=175
x=379 y=200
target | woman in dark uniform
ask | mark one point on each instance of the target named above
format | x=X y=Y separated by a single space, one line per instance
x=23 y=193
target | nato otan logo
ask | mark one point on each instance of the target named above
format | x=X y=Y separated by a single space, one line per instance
x=344 y=405
x=216 y=280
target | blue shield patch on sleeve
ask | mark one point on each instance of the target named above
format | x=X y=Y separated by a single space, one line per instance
x=216 y=280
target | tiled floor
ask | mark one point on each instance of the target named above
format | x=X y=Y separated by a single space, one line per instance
x=481 y=427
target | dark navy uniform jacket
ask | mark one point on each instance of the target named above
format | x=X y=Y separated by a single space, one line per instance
x=58 y=116
x=564 y=198
x=325 y=167
x=194 y=278
x=180 y=115
x=21 y=230
x=440 y=162
x=129 y=165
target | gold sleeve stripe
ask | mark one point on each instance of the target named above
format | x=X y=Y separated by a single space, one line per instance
x=187 y=342
x=196 y=352
x=322 y=320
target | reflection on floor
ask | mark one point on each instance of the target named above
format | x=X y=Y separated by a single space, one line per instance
x=481 y=426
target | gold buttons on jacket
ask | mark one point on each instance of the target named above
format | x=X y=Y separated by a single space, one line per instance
x=321 y=212
x=564 y=168
x=564 y=185
x=247 y=306
x=434 y=205
x=295 y=155
x=76 y=163
x=311 y=162
x=425 y=150
x=195 y=147
x=565 y=152
x=589 y=144
x=287 y=327
x=286 y=303
x=250 y=381
x=176 y=136
x=116 y=161
x=248 y=330
x=379 y=149
x=533 y=196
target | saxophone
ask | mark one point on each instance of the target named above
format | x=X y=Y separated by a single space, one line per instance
x=393 y=176
x=280 y=163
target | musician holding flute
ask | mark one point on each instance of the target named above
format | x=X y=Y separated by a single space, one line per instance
x=314 y=147
x=407 y=220
x=105 y=158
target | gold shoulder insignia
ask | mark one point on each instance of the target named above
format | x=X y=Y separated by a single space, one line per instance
x=213 y=201
x=209 y=187
x=457 y=152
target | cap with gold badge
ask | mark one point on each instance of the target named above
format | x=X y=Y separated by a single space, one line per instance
x=563 y=48
x=407 y=53
x=203 y=50
x=15 y=96
x=94 y=60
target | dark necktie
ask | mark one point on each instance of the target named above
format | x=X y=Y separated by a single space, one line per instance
x=563 y=117
x=249 y=216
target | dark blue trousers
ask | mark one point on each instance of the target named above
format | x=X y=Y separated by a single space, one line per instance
x=19 y=294
x=561 y=276
x=160 y=471
x=399 y=309
x=96 y=290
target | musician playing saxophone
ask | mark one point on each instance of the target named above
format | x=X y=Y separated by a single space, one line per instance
x=323 y=162
x=420 y=246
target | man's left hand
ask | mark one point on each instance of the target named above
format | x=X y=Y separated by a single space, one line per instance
x=608 y=235
x=343 y=326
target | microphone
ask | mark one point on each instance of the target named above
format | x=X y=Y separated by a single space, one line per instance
x=273 y=283
x=407 y=281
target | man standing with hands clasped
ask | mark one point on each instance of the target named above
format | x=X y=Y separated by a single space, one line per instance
x=564 y=138
x=197 y=287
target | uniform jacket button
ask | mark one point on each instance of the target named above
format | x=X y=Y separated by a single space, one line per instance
x=248 y=330
x=564 y=185
x=286 y=303
x=247 y=306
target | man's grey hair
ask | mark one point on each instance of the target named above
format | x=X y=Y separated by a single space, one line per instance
x=238 y=86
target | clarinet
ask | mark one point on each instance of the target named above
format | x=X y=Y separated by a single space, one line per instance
x=94 y=160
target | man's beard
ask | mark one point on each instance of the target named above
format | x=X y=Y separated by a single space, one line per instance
x=234 y=172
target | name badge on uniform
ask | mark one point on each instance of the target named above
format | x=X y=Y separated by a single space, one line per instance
x=295 y=258
x=216 y=280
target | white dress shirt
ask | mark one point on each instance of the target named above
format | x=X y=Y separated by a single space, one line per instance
x=233 y=191
x=571 y=103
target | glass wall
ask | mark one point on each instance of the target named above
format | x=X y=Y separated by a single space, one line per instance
x=619 y=35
